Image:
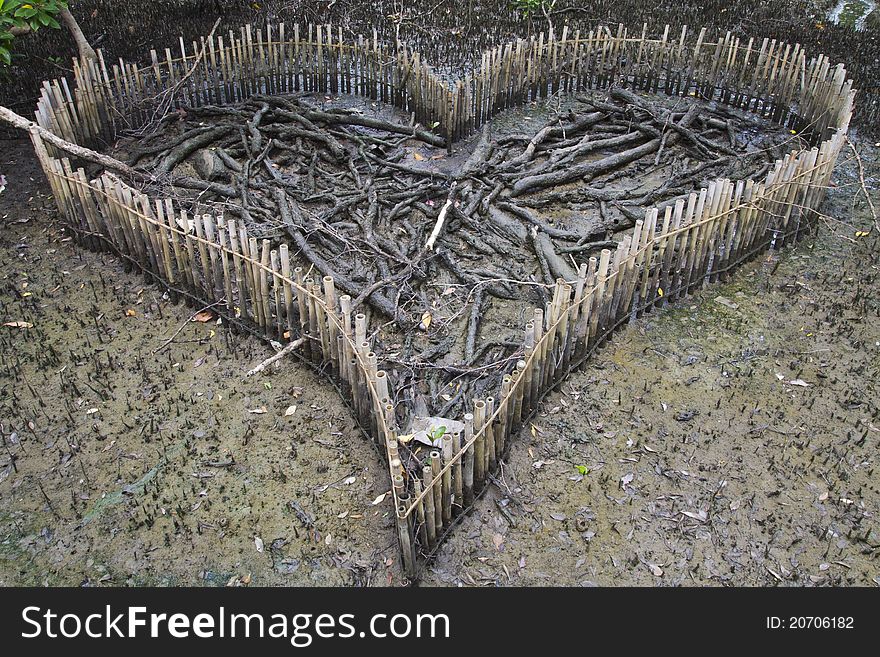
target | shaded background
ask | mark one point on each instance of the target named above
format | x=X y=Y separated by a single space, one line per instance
x=448 y=31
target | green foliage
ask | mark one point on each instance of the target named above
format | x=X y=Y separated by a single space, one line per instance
x=529 y=7
x=23 y=15
x=438 y=433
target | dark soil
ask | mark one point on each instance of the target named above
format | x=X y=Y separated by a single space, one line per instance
x=129 y=461
x=449 y=33
x=730 y=440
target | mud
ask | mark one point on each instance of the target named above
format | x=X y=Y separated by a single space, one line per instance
x=726 y=441
x=730 y=440
x=129 y=459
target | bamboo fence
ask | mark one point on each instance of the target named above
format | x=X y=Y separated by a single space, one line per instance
x=669 y=254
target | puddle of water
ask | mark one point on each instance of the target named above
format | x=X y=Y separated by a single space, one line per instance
x=852 y=13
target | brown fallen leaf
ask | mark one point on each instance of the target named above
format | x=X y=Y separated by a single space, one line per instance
x=203 y=316
x=130 y=313
x=418 y=156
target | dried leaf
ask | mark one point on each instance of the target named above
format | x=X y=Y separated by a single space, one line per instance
x=257 y=411
x=497 y=541
x=348 y=481
x=699 y=515
x=290 y=410
x=259 y=543
x=379 y=499
x=558 y=516
x=426 y=321
x=25 y=325
x=418 y=156
x=203 y=316
x=626 y=479
x=657 y=570
x=799 y=382
x=130 y=313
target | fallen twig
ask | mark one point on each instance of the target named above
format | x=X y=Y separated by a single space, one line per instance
x=291 y=346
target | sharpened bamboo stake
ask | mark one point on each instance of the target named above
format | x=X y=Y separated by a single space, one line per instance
x=430 y=510
x=447 y=491
x=436 y=466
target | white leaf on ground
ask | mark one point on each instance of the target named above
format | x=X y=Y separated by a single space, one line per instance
x=379 y=499
x=259 y=543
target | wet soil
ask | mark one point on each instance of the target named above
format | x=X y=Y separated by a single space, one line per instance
x=134 y=450
x=729 y=440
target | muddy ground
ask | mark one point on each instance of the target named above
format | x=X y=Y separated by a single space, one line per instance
x=729 y=440
x=131 y=460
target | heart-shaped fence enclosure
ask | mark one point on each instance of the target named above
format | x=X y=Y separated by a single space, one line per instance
x=297 y=77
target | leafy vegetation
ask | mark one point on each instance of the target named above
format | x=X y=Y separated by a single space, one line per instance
x=530 y=7
x=437 y=433
x=19 y=17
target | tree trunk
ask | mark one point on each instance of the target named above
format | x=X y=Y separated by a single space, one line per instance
x=85 y=49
